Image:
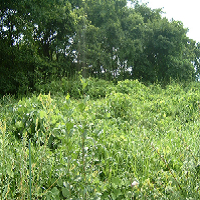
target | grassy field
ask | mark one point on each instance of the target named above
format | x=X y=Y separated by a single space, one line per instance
x=96 y=140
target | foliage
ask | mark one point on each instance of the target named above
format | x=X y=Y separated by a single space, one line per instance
x=35 y=117
x=133 y=42
x=31 y=33
x=46 y=41
x=136 y=142
x=77 y=87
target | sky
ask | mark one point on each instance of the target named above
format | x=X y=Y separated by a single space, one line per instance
x=180 y=10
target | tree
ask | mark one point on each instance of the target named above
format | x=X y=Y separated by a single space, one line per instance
x=130 y=42
x=31 y=32
x=164 y=49
x=17 y=63
x=98 y=35
x=56 y=38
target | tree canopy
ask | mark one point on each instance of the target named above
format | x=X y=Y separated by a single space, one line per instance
x=41 y=40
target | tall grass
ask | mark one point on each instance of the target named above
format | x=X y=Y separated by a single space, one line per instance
x=130 y=142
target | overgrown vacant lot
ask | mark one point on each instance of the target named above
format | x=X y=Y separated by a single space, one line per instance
x=124 y=141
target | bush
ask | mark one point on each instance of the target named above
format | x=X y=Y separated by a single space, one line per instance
x=36 y=117
x=120 y=105
x=77 y=88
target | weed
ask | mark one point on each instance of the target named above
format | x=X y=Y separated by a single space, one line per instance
x=127 y=141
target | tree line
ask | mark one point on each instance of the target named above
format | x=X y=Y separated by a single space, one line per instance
x=51 y=39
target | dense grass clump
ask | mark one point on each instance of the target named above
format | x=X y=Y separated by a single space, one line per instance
x=102 y=141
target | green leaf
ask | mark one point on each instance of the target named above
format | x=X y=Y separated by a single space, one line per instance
x=55 y=192
x=43 y=114
x=19 y=124
x=84 y=83
x=116 y=181
x=65 y=192
x=60 y=183
x=67 y=97
x=108 y=115
x=82 y=107
x=69 y=126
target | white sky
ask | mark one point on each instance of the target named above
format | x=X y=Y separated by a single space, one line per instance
x=180 y=10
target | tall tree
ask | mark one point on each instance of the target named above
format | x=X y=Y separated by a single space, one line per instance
x=31 y=33
x=98 y=35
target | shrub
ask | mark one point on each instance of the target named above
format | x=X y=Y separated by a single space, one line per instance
x=130 y=86
x=36 y=117
x=77 y=88
x=120 y=105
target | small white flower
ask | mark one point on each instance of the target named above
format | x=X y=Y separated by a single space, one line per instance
x=134 y=183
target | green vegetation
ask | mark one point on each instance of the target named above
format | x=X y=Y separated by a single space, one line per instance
x=129 y=141
x=44 y=41
x=98 y=100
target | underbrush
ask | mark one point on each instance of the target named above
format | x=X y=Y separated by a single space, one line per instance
x=77 y=87
x=124 y=141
